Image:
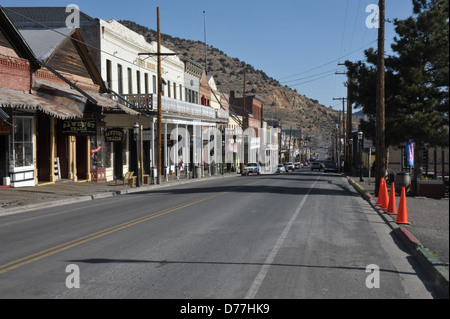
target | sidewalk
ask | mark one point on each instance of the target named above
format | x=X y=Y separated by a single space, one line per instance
x=16 y=200
x=428 y=235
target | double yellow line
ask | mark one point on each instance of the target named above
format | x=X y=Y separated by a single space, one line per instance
x=76 y=242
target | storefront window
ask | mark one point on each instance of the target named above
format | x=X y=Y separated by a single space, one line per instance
x=108 y=155
x=125 y=148
x=22 y=142
x=98 y=149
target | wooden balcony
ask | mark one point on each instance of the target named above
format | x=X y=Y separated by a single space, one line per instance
x=143 y=102
x=149 y=102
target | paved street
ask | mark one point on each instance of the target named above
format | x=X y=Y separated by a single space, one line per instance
x=299 y=235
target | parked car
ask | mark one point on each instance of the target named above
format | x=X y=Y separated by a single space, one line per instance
x=252 y=168
x=316 y=165
x=289 y=166
x=298 y=165
x=330 y=167
x=281 y=169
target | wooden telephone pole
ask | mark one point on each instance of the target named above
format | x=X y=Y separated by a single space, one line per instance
x=342 y=134
x=160 y=82
x=159 y=124
x=380 y=161
x=349 y=121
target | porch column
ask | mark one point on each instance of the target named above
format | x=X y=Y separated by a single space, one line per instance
x=216 y=149
x=72 y=157
x=186 y=153
x=194 y=151
x=175 y=157
x=202 y=159
x=88 y=160
x=208 y=149
x=165 y=153
x=52 y=149
x=152 y=145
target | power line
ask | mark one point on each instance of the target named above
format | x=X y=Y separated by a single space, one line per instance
x=328 y=63
x=311 y=76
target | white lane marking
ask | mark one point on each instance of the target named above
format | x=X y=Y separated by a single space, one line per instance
x=269 y=260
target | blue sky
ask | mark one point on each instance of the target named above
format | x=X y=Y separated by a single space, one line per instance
x=298 y=42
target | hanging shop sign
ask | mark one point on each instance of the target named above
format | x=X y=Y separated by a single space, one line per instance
x=4 y=128
x=114 y=135
x=80 y=127
x=410 y=152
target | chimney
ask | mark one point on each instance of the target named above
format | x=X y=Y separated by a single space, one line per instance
x=232 y=97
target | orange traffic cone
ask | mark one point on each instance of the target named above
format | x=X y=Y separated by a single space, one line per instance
x=385 y=198
x=380 y=192
x=392 y=208
x=402 y=217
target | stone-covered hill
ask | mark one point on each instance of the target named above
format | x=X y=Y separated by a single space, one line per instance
x=292 y=108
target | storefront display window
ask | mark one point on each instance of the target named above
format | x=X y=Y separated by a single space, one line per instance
x=108 y=155
x=22 y=142
x=98 y=150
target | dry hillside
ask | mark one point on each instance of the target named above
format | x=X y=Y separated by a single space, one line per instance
x=292 y=108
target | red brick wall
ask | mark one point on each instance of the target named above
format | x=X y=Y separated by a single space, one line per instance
x=14 y=73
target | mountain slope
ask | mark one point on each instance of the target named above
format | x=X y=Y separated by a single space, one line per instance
x=292 y=108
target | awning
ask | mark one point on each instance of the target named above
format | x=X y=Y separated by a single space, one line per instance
x=55 y=92
x=3 y=115
x=22 y=100
x=109 y=104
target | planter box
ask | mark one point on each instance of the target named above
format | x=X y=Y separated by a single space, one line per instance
x=431 y=189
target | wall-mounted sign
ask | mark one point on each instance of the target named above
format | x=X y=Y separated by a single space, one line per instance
x=80 y=127
x=96 y=150
x=114 y=135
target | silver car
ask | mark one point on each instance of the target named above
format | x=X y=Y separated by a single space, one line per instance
x=251 y=168
x=281 y=169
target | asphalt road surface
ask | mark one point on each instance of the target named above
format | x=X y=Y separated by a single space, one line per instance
x=298 y=235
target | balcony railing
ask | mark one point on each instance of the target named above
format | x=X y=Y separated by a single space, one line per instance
x=143 y=102
x=149 y=102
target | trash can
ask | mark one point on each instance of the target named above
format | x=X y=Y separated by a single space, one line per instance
x=402 y=179
x=198 y=171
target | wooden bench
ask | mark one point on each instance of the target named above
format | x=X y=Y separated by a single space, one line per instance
x=128 y=178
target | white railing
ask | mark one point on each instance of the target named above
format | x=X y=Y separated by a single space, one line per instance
x=223 y=114
x=185 y=108
x=149 y=102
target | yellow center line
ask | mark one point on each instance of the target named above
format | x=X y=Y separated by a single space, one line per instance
x=76 y=242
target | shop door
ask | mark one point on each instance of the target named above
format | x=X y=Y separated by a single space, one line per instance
x=4 y=153
x=43 y=148
x=82 y=156
x=118 y=160
x=62 y=150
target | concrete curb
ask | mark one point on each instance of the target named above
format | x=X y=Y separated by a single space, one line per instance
x=85 y=198
x=438 y=273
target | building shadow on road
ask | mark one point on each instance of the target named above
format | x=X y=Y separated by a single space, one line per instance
x=161 y=263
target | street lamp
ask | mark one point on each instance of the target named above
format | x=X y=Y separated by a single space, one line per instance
x=360 y=139
x=136 y=129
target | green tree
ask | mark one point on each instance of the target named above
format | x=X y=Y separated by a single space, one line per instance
x=417 y=80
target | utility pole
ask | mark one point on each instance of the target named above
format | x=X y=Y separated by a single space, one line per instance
x=159 y=121
x=244 y=118
x=380 y=102
x=349 y=126
x=206 y=48
x=342 y=133
x=159 y=124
